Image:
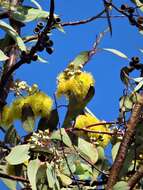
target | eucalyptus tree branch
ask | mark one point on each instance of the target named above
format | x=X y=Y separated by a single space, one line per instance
x=135 y=178
x=12 y=177
x=8 y=72
x=97 y=132
x=83 y=21
x=11 y=61
x=122 y=152
x=94 y=49
x=4 y=14
x=131 y=18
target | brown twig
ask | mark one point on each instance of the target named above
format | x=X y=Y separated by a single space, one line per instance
x=135 y=178
x=63 y=150
x=4 y=14
x=122 y=152
x=103 y=123
x=9 y=63
x=83 y=21
x=97 y=132
x=12 y=177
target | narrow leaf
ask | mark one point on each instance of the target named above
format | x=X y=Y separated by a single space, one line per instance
x=50 y=177
x=28 y=14
x=11 y=136
x=116 y=52
x=139 y=79
x=3 y=57
x=65 y=179
x=115 y=150
x=40 y=59
x=28 y=120
x=10 y=30
x=88 y=150
x=81 y=59
x=18 y=154
x=32 y=169
x=62 y=136
x=37 y=4
x=139 y=86
x=139 y=3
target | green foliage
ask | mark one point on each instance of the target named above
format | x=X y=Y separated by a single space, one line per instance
x=11 y=31
x=116 y=52
x=3 y=57
x=32 y=169
x=54 y=154
x=18 y=154
x=122 y=185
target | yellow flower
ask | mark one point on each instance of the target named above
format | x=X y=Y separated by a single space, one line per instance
x=41 y=104
x=7 y=116
x=83 y=121
x=76 y=84
x=17 y=105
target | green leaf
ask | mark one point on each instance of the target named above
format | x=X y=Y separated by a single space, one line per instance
x=32 y=169
x=139 y=3
x=62 y=136
x=84 y=171
x=126 y=103
x=11 y=136
x=116 y=52
x=115 y=150
x=81 y=59
x=19 y=154
x=139 y=79
x=67 y=169
x=59 y=27
x=10 y=30
x=41 y=176
x=139 y=86
x=87 y=150
x=40 y=59
x=50 y=177
x=28 y=14
x=11 y=184
x=121 y=185
x=65 y=179
x=37 y=4
x=101 y=153
x=28 y=120
x=141 y=50
x=3 y=57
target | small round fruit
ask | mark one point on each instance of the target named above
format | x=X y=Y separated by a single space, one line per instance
x=40 y=25
x=36 y=30
x=58 y=20
x=49 y=43
x=49 y=50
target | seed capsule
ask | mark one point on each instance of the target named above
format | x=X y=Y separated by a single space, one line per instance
x=40 y=25
x=49 y=50
x=49 y=43
x=36 y=30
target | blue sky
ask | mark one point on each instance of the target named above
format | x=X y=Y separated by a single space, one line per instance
x=104 y=66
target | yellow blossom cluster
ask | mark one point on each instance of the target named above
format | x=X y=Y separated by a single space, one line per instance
x=40 y=103
x=74 y=82
x=86 y=120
